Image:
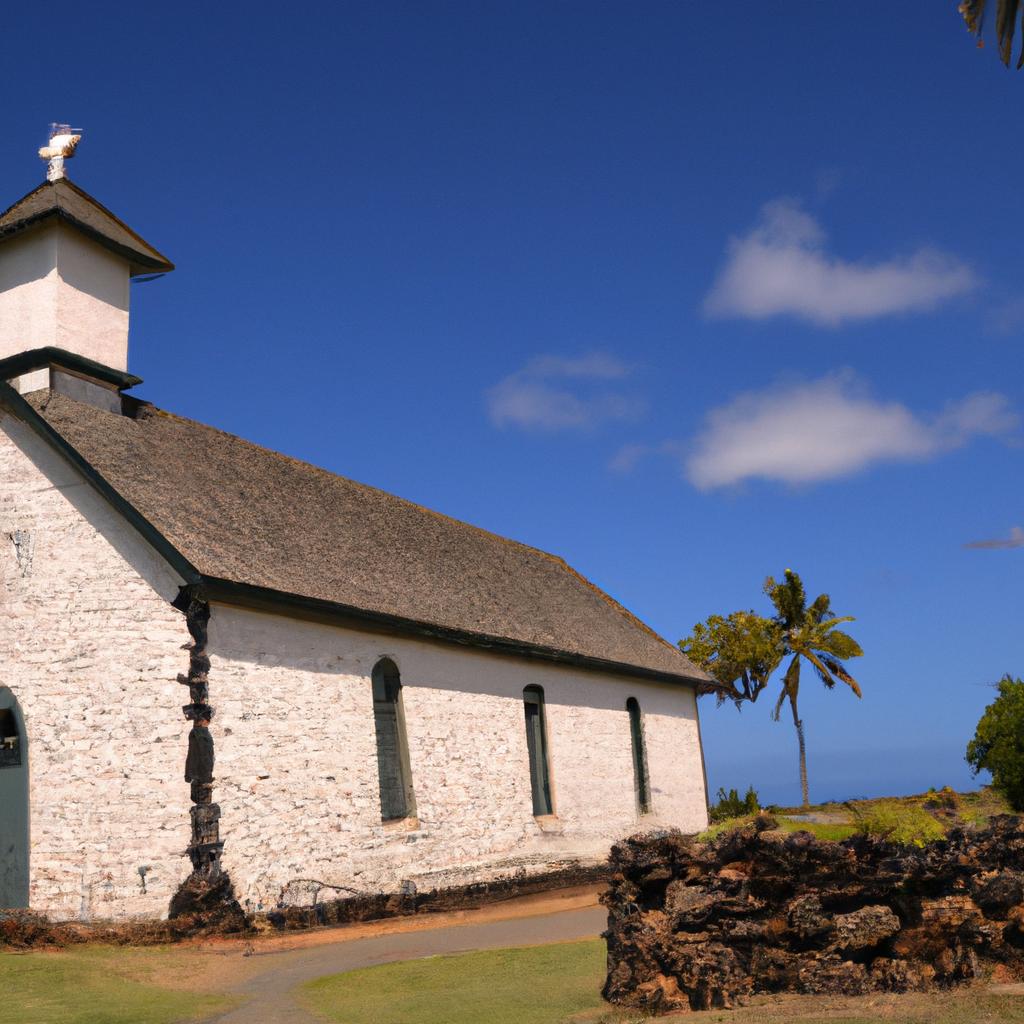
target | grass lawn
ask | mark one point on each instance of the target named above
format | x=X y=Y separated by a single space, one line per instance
x=531 y=985
x=97 y=985
x=560 y=984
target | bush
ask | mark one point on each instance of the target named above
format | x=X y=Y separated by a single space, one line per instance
x=906 y=824
x=945 y=799
x=998 y=744
x=730 y=805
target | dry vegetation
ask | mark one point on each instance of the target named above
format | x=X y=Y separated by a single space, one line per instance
x=911 y=820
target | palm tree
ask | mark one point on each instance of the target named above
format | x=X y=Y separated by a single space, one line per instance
x=1007 y=11
x=809 y=633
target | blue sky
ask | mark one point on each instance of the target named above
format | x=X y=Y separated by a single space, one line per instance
x=687 y=303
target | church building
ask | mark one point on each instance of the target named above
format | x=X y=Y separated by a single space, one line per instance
x=221 y=659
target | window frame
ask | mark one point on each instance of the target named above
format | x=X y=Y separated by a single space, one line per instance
x=638 y=750
x=403 y=765
x=538 y=752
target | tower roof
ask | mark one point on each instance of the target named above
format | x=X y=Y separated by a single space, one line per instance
x=64 y=201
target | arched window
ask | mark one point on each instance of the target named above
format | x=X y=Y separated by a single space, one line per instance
x=537 y=746
x=396 y=799
x=641 y=782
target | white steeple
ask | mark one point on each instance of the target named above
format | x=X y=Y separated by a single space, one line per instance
x=66 y=263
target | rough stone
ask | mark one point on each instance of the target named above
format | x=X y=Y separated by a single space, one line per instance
x=755 y=911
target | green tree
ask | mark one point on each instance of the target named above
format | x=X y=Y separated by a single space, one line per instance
x=741 y=651
x=809 y=634
x=998 y=744
x=1007 y=13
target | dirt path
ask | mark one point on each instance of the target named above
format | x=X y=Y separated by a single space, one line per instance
x=269 y=977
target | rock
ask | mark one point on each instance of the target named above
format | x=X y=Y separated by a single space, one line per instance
x=209 y=904
x=998 y=894
x=758 y=911
x=807 y=919
x=864 y=928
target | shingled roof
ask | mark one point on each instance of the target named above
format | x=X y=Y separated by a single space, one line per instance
x=64 y=201
x=254 y=518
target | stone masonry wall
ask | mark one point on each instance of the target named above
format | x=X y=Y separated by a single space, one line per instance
x=91 y=648
x=701 y=925
x=296 y=774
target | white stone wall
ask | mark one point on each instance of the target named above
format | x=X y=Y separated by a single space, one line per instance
x=91 y=648
x=296 y=773
x=58 y=287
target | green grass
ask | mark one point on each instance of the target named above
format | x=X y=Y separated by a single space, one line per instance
x=836 y=832
x=910 y=820
x=560 y=984
x=86 y=986
x=531 y=985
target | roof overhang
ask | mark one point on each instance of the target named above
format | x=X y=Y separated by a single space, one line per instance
x=244 y=595
x=276 y=602
x=64 y=202
x=39 y=358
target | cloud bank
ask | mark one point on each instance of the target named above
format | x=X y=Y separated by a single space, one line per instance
x=829 y=428
x=1015 y=540
x=782 y=268
x=556 y=393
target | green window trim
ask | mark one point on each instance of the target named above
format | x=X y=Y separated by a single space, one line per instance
x=537 y=747
x=394 y=775
x=641 y=778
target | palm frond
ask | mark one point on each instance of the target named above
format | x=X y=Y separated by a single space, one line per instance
x=840 y=645
x=820 y=608
x=840 y=673
x=1007 y=12
x=823 y=673
x=789 y=598
x=777 y=710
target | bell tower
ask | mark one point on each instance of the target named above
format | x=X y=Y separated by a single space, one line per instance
x=66 y=264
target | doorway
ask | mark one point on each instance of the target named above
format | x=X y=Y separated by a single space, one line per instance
x=13 y=803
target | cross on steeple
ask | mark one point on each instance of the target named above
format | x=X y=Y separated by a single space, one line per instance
x=63 y=142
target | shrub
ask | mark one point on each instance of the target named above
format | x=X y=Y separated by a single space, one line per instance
x=945 y=799
x=731 y=805
x=906 y=824
x=998 y=744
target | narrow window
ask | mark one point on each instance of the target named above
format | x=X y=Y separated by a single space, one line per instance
x=396 y=799
x=537 y=745
x=641 y=783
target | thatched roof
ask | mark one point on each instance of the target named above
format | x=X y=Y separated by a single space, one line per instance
x=258 y=520
x=61 y=200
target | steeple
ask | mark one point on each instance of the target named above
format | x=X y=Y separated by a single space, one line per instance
x=66 y=263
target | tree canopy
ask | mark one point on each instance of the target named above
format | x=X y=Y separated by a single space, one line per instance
x=998 y=744
x=742 y=650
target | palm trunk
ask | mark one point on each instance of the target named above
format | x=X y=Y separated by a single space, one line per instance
x=803 y=754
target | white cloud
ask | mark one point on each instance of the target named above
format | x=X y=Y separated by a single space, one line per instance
x=830 y=428
x=782 y=268
x=559 y=393
x=1014 y=540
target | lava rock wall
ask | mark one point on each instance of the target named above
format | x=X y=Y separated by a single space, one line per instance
x=702 y=925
